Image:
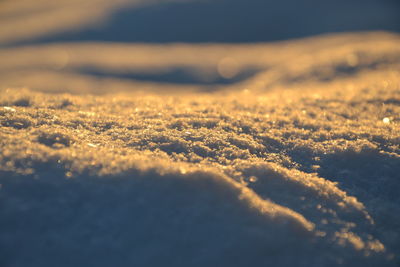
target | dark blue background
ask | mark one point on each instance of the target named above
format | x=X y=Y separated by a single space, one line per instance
x=238 y=21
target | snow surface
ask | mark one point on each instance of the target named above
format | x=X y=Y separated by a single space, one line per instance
x=297 y=164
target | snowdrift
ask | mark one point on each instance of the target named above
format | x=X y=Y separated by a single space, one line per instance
x=295 y=164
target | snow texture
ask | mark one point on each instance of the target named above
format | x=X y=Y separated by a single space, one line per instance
x=295 y=165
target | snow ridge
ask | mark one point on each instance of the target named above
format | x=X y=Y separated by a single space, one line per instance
x=217 y=180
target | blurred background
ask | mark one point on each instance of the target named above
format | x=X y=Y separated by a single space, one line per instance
x=46 y=43
x=158 y=21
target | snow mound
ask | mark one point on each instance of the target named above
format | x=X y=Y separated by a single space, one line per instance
x=149 y=180
x=297 y=165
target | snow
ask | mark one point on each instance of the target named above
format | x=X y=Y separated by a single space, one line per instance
x=301 y=176
x=198 y=154
x=189 y=21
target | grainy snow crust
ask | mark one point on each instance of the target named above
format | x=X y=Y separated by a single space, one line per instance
x=301 y=168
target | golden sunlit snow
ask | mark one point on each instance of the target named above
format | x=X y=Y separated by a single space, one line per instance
x=300 y=157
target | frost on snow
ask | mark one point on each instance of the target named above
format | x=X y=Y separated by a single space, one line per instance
x=300 y=169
